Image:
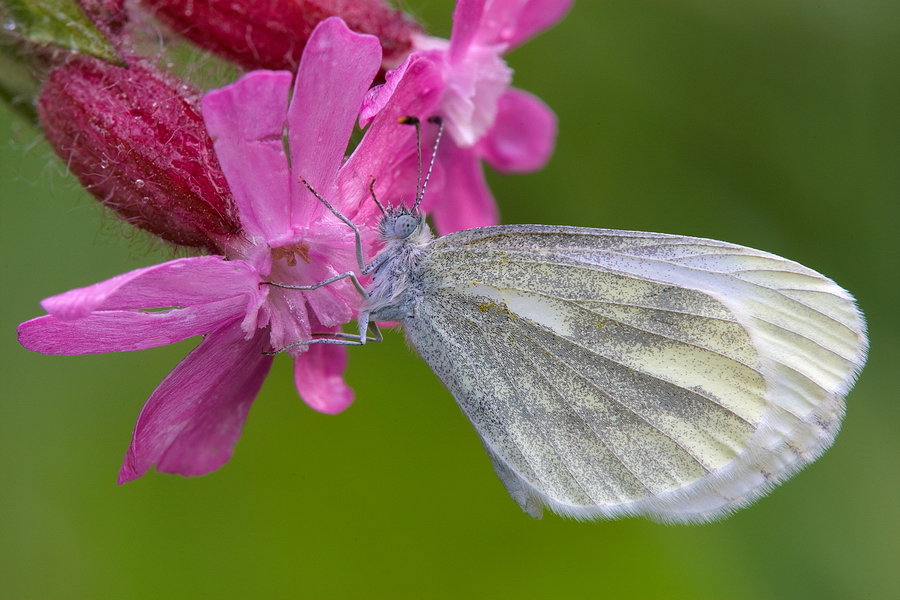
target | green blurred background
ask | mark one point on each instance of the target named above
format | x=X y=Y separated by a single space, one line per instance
x=770 y=124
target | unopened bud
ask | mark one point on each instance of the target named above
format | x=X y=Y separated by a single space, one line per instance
x=135 y=139
x=109 y=16
x=272 y=34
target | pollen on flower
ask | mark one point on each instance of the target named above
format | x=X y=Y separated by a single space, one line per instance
x=290 y=253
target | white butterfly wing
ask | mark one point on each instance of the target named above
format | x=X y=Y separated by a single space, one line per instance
x=615 y=373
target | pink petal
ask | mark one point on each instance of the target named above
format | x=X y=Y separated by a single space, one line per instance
x=246 y=121
x=378 y=96
x=319 y=377
x=513 y=22
x=474 y=86
x=466 y=26
x=288 y=319
x=120 y=330
x=467 y=200
x=523 y=136
x=336 y=302
x=335 y=72
x=190 y=424
x=180 y=282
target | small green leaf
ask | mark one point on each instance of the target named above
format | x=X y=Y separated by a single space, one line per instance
x=58 y=22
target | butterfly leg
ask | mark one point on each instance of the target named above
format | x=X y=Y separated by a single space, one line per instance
x=339 y=338
x=315 y=286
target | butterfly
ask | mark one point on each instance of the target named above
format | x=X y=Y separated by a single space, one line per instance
x=619 y=373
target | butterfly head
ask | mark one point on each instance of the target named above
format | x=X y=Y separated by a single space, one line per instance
x=402 y=225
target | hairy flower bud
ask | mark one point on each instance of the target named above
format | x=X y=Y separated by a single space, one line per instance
x=109 y=16
x=135 y=139
x=271 y=34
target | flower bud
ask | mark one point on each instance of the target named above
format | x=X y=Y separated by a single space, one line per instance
x=109 y=16
x=135 y=139
x=272 y=34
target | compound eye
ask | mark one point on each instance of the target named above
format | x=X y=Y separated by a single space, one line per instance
x=404 y=226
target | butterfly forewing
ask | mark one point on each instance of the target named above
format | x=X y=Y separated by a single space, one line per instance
x=613 y=373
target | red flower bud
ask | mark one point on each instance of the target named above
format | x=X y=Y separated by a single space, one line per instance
x=109 y=16
x=271 y=34
x=135 y=139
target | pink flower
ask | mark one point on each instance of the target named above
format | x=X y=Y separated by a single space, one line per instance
x=485 y=118
x=194 y=418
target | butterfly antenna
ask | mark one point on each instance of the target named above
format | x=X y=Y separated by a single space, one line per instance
x=415 y=122
x=374 y=197
x=437 y=140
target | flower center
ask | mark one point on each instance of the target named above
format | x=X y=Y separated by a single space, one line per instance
x=290 y=253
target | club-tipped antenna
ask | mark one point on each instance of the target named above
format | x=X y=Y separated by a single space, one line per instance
x=415 y=122
x=437 y=140
x=420 y=183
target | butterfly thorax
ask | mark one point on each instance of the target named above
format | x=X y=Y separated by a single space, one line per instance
x=406 y=237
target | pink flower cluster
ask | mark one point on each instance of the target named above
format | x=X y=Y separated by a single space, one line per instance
x=268 y=139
